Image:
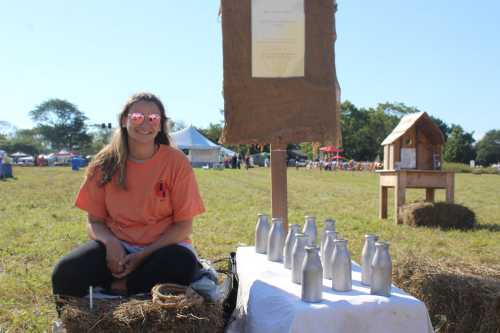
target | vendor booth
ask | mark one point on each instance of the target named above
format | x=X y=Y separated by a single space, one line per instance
x=412 y=159
x=280 y=88
x=268 y=301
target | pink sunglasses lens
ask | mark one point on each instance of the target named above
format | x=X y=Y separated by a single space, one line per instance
x=154 y=119
x=137 y=118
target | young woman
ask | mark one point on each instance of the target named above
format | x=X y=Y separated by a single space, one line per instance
x=141 y=196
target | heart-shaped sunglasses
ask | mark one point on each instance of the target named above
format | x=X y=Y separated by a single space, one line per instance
x=137 y=118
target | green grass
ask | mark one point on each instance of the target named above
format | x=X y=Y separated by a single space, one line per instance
x=465 y=168
x=39 y=224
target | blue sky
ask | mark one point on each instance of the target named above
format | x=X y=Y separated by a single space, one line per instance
x=440 y=56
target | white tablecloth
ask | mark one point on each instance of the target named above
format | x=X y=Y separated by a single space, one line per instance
x=268 y=302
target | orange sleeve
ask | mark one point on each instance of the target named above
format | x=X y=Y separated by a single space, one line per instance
x=91 y=197
x=185 y=197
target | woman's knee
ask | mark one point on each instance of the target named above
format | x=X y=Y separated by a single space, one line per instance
x=68 y=275
x=180 y=259
x=64 y=272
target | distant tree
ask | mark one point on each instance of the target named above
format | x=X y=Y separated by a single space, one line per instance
x=61 y=123
x=24 y=140
x=176 y=125
x=100 y=137
x=30 y=135
x=396 y=109
x=363 y=130
x=488 y=148
x=380 y=125
x=459 y=147
x=212 y=132
x=7 y=128
x=307 y=148
x=445 y=129
x=25 y=147
x=3 y=140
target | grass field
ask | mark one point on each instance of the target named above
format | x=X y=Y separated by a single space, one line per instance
x=38 y=224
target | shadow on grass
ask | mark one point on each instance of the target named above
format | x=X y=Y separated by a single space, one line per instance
x=6 y=179
x=488 y=227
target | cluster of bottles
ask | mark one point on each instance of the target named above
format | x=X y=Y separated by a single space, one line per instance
x=298 y=252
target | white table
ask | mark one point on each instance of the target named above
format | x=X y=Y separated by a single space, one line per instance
x=268 y=302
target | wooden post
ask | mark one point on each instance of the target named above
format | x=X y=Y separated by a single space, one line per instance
x=450 y=187
x=399 y=194
x=429 y=194
x=279 y=183
x=382 y=202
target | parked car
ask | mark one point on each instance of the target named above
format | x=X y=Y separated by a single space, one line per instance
x=296 y=163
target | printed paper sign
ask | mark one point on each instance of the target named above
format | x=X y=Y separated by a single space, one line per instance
x=278 y=38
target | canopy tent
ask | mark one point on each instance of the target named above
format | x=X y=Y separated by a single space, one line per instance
x=331 y=149
x=227 y=152
x=338 y=157
x=200 y=150
x=63 y=157
x=18 y=155
x=27 y=160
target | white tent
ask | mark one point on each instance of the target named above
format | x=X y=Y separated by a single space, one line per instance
x=198 y=148
x=63 y=157
x=18 y=155
x=227 y=152
x=28 y=160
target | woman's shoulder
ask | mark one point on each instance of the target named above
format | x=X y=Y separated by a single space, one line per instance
x=174 y=156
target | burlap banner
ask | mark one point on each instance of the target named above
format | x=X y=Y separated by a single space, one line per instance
x=287 y=107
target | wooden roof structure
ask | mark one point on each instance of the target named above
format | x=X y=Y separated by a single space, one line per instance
x=425 y=124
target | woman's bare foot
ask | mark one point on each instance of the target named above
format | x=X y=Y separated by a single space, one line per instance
x=119 y=286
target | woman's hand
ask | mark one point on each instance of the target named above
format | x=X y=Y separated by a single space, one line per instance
x=115 y=256
x=130 y=263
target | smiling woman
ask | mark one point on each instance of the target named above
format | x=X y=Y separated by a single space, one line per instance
x=141 y=196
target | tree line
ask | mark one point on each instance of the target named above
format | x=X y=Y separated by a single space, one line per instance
x=61 y=125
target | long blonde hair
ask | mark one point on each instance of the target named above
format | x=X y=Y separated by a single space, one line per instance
x=113 y=157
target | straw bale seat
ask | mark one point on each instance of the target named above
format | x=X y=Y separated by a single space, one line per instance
x=172 y=308
x=459 y=297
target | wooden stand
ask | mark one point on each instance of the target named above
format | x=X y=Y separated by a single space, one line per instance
x=279 y=183
x=400 y=180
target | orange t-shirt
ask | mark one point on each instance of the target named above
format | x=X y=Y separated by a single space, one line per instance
x=160 y=191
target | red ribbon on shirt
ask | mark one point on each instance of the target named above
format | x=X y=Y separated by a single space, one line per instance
x=161 y=189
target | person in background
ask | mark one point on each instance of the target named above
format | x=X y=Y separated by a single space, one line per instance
x=141 y=196
x=1 y=167
x=234 y=161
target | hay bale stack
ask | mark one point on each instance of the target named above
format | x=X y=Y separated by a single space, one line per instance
x=467 y=296
x=441 y=214
x=137 y=315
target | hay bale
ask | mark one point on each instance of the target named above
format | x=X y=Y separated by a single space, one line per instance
x=142 y=314
x=441 y=214
x=467 y=296
x=139 y=315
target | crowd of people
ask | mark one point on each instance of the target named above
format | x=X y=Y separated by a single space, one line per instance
x=351 y=165
x=247 y=161
x=236 y=161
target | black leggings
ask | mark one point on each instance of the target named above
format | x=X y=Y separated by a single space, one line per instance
x=86 y=266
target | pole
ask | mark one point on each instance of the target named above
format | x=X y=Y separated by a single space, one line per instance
x=279 y=183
